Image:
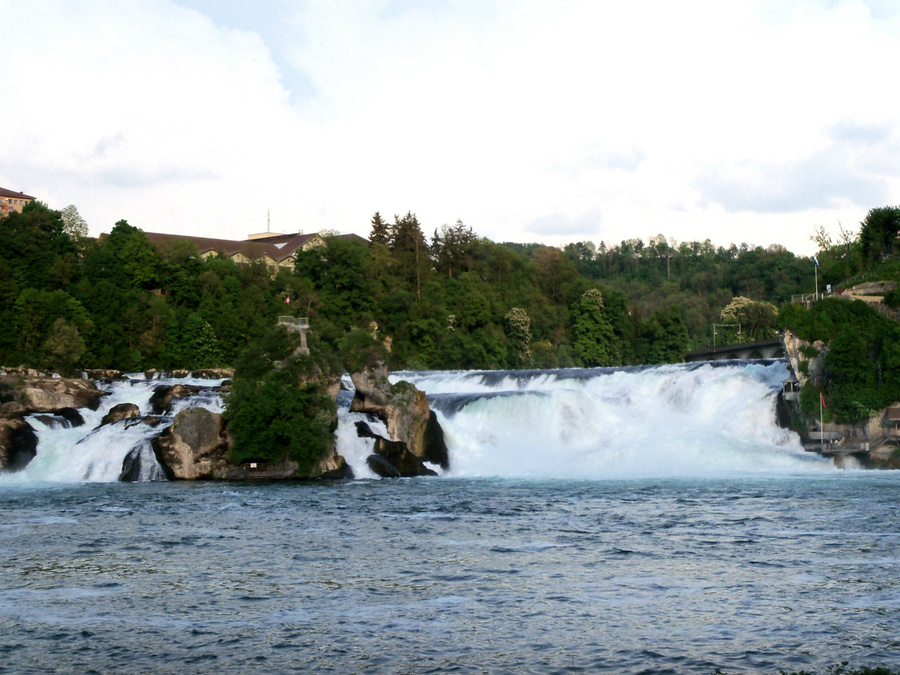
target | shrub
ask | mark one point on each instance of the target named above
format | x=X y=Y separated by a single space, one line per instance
x=360 y=350
x=278 y=407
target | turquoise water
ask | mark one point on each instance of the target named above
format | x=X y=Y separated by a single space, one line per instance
x=745 y=573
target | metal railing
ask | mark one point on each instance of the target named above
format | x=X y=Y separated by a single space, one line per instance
x=294 y=322
x=807 y=298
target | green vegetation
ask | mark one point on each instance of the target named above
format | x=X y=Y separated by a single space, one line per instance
x=863 y=357
x=67 y=301
x=278 y=407
x=454 y=300
x=861 y=344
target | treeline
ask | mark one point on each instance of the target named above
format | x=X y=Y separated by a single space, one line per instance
x=452 y=300
x=69 y=301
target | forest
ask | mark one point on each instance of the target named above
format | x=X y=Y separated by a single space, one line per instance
x=453 y=300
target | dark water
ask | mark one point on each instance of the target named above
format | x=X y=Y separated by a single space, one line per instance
x=451 y=575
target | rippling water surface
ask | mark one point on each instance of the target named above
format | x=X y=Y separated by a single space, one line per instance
x=461 y=575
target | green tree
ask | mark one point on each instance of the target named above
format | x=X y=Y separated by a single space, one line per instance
x=666 y=337
x=518 y=334
x=139 y=258
x=595 y=342
x=64 y=345
x=756 y=318
x=73 y=224
x=879 y=231
x=380 y=233
x=279 y=408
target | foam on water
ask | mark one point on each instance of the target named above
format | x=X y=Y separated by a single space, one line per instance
x=667 y=421
x=91 y=453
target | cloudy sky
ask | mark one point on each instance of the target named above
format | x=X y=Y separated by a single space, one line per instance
x=741 y=121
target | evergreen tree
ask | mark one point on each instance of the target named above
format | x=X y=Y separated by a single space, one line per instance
x=380 y=233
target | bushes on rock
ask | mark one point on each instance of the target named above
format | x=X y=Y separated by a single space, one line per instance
x=279 y=408
x=360 y=350
x=862 y=359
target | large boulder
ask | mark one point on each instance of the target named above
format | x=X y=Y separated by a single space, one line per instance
x=18 y=443
x=164 y=395
x=404 y=410
x=121 y=411
x=191 y=448
x=392 y=459
x=50 y=394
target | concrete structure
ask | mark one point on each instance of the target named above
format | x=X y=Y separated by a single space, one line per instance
x=296 y=324
x=761 y=349
x=12 y=201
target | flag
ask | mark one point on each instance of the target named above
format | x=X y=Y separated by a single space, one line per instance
x=287 y=301
x=816 y=260
x=822 y=399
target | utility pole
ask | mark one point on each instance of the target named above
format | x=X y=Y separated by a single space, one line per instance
x=816 y=261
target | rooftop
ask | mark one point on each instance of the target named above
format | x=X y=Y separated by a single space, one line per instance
x=13 y=195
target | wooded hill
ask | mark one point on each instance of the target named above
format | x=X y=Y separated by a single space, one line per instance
x=454 y=300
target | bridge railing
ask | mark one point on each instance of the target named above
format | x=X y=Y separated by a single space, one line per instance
x=807 y=298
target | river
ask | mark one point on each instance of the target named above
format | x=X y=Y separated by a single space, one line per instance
x=627 y=521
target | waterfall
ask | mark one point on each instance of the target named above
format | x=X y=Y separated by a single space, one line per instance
x=664 y=421
x=685 y=420
x=89 y=452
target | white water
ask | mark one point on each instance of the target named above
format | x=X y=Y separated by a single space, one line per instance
x=684 y=420
x=667 y=421
x=91 y=453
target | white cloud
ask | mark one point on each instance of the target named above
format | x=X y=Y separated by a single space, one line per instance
x=525 y=119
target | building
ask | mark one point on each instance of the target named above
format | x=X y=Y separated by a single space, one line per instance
x=277 y=251
x=12 y=201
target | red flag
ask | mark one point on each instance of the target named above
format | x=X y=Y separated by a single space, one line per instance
x=822 y=399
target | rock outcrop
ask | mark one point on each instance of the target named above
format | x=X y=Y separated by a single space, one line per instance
x=120 y=412
x=193 y=446
x=392 y=459
x=404 y=410
x=165 y=395
x=18 y=443
x=104 y=374
x=39 y=393
x=196 y=446
x=805 y=359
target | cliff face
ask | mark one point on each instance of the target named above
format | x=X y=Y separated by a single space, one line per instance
x=866 y=442
x=799 y=352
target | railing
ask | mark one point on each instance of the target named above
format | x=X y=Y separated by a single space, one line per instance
x=807 y=298
x=835 y=436
x=297 y=324
x=294 y=322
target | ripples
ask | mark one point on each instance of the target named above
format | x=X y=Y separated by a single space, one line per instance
x=465 y=576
